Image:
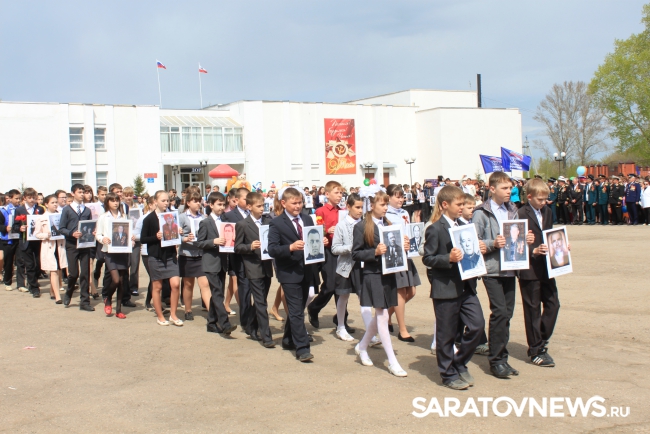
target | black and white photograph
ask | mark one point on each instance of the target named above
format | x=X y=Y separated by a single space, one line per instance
x=558 y=259
x=432 y=200
x=32 y=221
x=54 y=227
x=395 y=259
x=314 y=249
x=171 y=234
x=465 y=238
x=514 y=256
x=264 y=241
x=120 y=236
x=408 y=198
x=267 y=207
x=134 y=215
x=12 y=235
x=416 y=238
x=87 y=238
x=309 y=201
x=194 y=226
x=227 y=231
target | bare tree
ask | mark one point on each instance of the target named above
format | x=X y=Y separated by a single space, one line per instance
x=572 y=122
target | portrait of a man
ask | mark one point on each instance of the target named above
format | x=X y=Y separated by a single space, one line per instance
x=416 y=239
x=119 y=236
x=515 y=249
x=229 y=234
x=394 y=257
x=170 y=228
x=558 y=250
x=471 y=252
x=314 y=245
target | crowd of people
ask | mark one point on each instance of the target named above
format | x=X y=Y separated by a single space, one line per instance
x=353 y=252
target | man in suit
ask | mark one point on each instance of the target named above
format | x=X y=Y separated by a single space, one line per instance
x=551 y=202
x=590 y=200
x=214 y=264
x=575 y=197
x=603 y=199
x=286 y=247
x=313 y=244
x=470 y=257
x=393 y=252
x=27 y=250
x=258 y=272
x=616 y=195
x=515 y=244
x=414 y=245
x=563 y=201
x=246 y=311
x=119 y=237
x=78 y=259
x=632 y=199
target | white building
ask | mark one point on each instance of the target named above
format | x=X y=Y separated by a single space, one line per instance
x=51 y=145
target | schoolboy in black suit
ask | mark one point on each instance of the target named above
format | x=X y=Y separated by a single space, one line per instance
x=286 y=247
x=536 y=288
x=27 y=250
x=454 y=300
x=214 y=264
x=258 y=272
x=246 y=312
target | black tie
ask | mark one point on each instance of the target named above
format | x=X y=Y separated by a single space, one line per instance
x=299 y=228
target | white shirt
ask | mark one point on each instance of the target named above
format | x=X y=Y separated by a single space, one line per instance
x=464 y=221
x=302 y=225
x=258 y=222
x=538 y=214
x=351 y=220
x=451 y=222
x=243 y=212
x=378 y=222
x=30 y=211
x=215 y=217
x=78 y=207
x=500 y=212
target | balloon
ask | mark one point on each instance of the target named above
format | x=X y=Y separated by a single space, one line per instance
x=264 y=191
x=373 y=181
x=366 y=182
x=581 y=170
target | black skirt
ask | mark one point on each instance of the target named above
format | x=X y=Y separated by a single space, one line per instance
x=116 y=261
x=378 y=291
x=190 y=266
x=349 y=285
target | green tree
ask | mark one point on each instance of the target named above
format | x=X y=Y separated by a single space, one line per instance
x=621 y=87
x=138 y=185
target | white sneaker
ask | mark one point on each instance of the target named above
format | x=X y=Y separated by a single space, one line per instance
x=397 y=371
x=23 y=289
x=374 y=341
x=364 y=361
x=8 y=288
x=344 y=335
x=176 y=322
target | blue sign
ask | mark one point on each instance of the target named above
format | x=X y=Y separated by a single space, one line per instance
x=150 y=180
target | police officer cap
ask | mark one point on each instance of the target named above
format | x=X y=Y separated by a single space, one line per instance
x=602 y=176
x=616 y=177
x=551 y=180
x=562 y=179
x=590 y=177
x=631 y=175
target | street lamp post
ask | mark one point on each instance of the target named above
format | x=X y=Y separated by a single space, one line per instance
x=410 y=161
x=368 y=165
x=203 y=164
x=561 y=157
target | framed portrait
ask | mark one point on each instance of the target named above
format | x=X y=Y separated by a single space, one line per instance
x=12 y=235
x=314 y=249
x=558 y=259
x=87 y=238
x=264 y=241
x=514 y=256
x=416 y=238
x=168 y=222
x=134 y=215
x=96 y=209
x=54 y=227
x=432 y=200
x=408 y=198
x=194 y=227
x=267 y=208
x=465 y=238
x=120 y=236
x=421 y=196
x=32 y=224
x=342 y=214
x=395 y=258
x=309 y=201
x=227 y=231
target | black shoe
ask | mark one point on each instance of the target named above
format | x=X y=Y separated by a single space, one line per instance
x=44 y=275
x=310 y=338
x=409 y=339
x=254 y=336
x=149 y=307
x=87 y=308
x=135 y=293
x=36 y=293
x=229 y=330
x=96 y=282
x=513 y=371
x=313 y=319
x=167 y=302
x=500 y=371
x=95 y=296
x=288 y=346
x=52 y=297
x=390 y=328
x=58 y=302
x=128 y=303
x=67 y=297
x=212 y=328
x=304 y=357
x=542 y=359
x=269 y=344
x=189 y=316
x=65 y=280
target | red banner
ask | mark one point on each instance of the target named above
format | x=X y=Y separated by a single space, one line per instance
x=340 y=151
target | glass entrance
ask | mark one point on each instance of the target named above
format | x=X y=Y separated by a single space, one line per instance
x=190 y=179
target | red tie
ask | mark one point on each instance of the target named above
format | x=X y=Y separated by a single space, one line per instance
x=299 y=228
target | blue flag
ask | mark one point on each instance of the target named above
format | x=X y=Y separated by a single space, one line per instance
x=491 y=164
x=514 y=161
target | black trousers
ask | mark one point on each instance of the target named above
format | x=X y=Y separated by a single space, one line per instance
x=295 y=332
x=134 y=268
x=578 y=214
x=563 y=214
x=145 y=262
x=449 y=314
x=10 y=255
x=99 y=263
x=217 y=314
x=126 y=293
x=604 y=216
x=646 y=215
x=541 y=307
x=328 y=287
x=26 y=265
x=79 y=268
x=617 y=214
x=501 y=292
x=260 y=291
x=246 y=310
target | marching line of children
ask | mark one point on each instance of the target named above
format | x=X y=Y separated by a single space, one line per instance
x=352 y=265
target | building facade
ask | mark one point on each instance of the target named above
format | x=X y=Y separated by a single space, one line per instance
x=51 y=145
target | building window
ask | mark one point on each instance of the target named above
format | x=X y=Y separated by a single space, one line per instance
x=239 y=144
x=102 y=179
x=170 y=139
x=100 y=138
x=192 y=140
x=197 y=139
x=76 y=138
x=78 y=178
x=212 y=139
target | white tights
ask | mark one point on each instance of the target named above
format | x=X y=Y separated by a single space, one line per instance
x=379 y=324
x=341 y=305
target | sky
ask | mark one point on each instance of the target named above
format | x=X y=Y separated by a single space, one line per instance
x=330 y=51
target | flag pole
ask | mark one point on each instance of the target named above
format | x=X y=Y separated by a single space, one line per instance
x=158 y=74
x=200 y=89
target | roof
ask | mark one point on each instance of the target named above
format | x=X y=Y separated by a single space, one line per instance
x=197 y=121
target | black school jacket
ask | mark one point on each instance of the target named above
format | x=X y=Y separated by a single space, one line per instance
x=537 y=269
x=246 y=232
x=290 y=266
